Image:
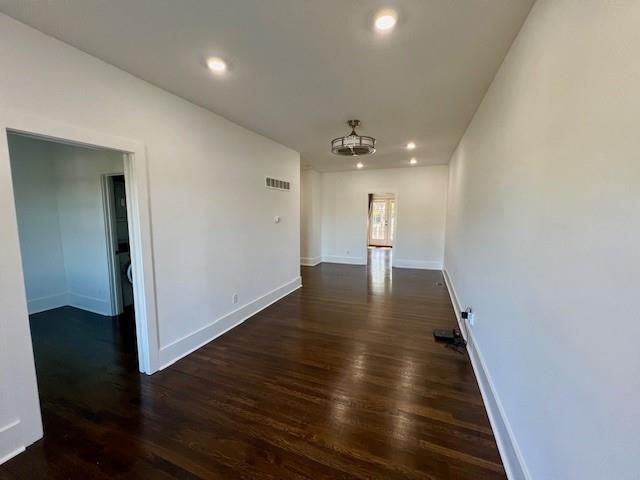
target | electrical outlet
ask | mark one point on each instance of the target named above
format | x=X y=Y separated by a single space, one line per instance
x=471 y=318
x=235 y=298
x=468 y=316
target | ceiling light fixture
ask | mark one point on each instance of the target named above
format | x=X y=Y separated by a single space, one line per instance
x=413 y=161
x=359 y=164
x=385 y=20
x=353 y=145
x=411 y=146
x=217 y=65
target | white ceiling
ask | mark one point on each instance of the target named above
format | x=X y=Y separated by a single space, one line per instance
x=301 y=68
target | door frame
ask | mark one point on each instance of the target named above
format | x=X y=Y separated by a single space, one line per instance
x=138 y=213
x=115 y=286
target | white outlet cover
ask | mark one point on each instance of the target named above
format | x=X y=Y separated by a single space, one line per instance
x=471 y=318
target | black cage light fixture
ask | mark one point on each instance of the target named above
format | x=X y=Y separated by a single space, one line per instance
x=353 y=145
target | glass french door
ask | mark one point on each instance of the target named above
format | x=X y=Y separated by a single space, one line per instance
x=382 y=222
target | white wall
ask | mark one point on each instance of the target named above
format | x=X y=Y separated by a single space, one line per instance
x=208 y=204
x=82 y=224
x=543 y=234
x=310 y=217
x=35 y=192
x=421 y=197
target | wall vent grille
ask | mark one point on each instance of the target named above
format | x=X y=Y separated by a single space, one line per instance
x=276 y=184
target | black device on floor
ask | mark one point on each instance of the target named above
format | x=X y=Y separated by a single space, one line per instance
x=452 y=336
x=446 y=336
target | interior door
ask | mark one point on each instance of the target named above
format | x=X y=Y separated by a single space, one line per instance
x=381 y=222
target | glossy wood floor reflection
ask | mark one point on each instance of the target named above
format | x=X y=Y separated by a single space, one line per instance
x=339 y=380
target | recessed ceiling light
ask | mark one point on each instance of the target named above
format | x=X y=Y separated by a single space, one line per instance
x=413 y=161
x=360 y=165
x=386 y=20
x=411 y=146
x=217 y=65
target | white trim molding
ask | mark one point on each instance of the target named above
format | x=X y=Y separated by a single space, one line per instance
x=310 y=261
x=510 y=453
x=12 y=454
x=344 y=260
x=115 y=290
x=420 y=264
x=173 y=352
x=70 y=299
x=90 y=304
x=9 y=438
x=42 y=304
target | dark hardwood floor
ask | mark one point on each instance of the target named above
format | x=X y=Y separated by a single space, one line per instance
x=339 y=380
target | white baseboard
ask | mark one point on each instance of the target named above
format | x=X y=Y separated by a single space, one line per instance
x=43 y=304
x=510 y=453
x=310 y=261
x=457 y=308
x=421 y=264
x=90 y=304
x=173 y=352
x=12 y=454
x=10 y=441
x=345 y=260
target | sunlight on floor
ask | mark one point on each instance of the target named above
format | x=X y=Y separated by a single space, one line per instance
x=379 y=271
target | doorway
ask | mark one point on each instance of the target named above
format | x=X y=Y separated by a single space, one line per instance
x=22 y=400
x=77 y=337
x=382 y=219
x=74 y=241
x=381 y=233
x=50 y=291
x=118 y=244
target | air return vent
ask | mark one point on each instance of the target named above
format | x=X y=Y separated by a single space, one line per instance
x=277 y=184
